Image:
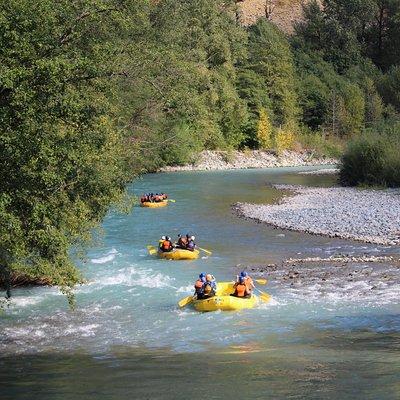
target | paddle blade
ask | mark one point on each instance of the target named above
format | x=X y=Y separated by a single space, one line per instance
x=172 y=201
x=205 y=250
x=152 y=250
x=265 y=297
x=261 y=281
x=184 y=302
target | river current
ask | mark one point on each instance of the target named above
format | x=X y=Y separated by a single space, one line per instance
x=127 y=339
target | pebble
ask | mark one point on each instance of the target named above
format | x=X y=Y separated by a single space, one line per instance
x=371 y=216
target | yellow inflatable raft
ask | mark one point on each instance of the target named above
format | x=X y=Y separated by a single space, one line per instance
x=179 y=254
x=154 y=205
x=223 y=301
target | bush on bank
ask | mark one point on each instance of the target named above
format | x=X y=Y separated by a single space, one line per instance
x=372 y=159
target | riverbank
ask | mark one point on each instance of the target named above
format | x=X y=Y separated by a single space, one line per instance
x=371 y=216
x=23 y=280
x=222 y=160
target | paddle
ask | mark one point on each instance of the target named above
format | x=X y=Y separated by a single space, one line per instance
x=152 y=250
x=172 y=201
x=264 y=296
x=185 y=301
x=261 y=281
x=205 y=250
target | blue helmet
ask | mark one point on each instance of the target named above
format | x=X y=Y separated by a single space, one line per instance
x=202 y=275
x=241 y=279
x=244 y=274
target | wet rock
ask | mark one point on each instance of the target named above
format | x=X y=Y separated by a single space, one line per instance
x=338 y=280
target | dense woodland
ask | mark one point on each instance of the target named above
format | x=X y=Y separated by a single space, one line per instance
x=94 y=92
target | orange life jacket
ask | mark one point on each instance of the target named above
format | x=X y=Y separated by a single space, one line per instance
x=240 y=290
x=166 y=245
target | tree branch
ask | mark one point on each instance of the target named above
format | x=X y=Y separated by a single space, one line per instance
x=67 y=35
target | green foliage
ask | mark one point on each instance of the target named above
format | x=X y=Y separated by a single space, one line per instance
x=352 y=110
x=345 y=31
x=270 y=57
x=314 y=98
x=95 y=91
x=372 y=159
x=63 y=159
x=389 y=87
x=329 y=100
x=199 y=44
x=325 y=31
x=182 y=147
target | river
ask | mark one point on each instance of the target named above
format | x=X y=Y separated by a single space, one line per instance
x=128 y=340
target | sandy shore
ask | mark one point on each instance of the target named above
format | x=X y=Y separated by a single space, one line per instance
x=222 y=160
x=371 y=216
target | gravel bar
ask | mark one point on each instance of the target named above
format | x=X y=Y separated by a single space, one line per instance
x=371 y=216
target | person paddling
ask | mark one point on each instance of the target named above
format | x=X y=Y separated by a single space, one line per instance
x=199 y=286
x=248 y=281
x=191 y=245
x=166 y=244
x=182 y=242
x=241 y=289
x=210 y=286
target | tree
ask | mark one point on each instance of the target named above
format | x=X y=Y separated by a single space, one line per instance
x=264 y=130
x=383 y=34
x=63 y=157
x=270 y=57
x=389 y=87
x=352 y=112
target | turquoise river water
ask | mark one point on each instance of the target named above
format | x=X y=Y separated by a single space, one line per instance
x=127 y=339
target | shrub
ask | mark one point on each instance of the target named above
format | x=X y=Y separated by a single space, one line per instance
x=372 y=160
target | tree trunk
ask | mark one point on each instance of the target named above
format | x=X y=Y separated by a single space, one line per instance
x=5 y=278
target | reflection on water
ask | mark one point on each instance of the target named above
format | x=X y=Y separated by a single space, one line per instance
x=334 y=366
x=309 y=342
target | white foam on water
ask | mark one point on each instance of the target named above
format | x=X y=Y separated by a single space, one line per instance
x=106 y=258
x=272 y=303
x=185 y=289
x=25 y=301
x=132 y=276
x=85 y=330
x=358 y=294
x=20 y=301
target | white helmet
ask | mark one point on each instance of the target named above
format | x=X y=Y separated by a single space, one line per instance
x=192 y=237
x=162 y=237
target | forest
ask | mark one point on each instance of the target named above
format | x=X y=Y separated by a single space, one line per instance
x=95 y=92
